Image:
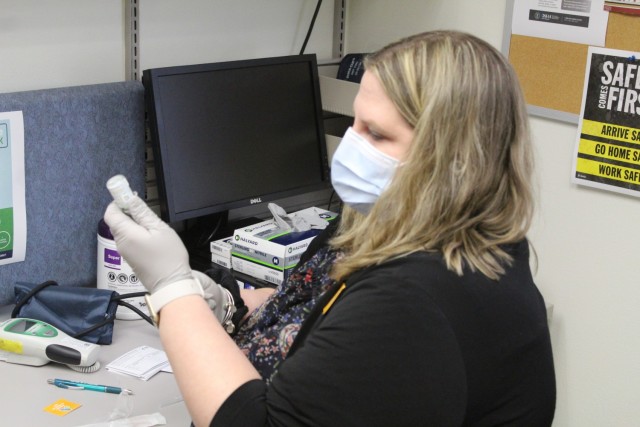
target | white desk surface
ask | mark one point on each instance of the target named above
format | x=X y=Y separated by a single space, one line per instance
x=24 y=392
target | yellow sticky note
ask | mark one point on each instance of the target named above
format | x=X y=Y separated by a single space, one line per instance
x=62 y=407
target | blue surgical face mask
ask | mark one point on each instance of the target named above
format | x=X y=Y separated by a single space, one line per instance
x=360 y=172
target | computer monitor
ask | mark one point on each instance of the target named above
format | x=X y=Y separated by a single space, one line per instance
x=232 y=134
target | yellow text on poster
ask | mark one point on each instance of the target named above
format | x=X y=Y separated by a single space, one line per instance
x=605 y=170
x=609 y=131
x=609 y=151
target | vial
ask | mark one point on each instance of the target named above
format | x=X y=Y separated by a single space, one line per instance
x=119 y=188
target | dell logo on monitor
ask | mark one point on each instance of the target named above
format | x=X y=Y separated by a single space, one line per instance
x=256 y=200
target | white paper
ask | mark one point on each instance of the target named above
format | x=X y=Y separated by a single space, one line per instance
x=142 y=362
x=574 y=21
x=149 y=420
x=13 y=216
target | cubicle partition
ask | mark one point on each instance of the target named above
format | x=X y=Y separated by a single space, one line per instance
x=75 y=138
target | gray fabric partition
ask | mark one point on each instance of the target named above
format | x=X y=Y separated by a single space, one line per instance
x=75 y=139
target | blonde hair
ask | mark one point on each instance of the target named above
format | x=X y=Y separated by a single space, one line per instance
x=465 y=188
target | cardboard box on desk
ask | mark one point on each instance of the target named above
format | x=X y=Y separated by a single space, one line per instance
x=268 y=252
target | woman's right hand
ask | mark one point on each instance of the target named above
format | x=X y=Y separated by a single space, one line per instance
x=154 y=250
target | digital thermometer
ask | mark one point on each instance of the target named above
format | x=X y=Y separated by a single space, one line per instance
x=36 y=343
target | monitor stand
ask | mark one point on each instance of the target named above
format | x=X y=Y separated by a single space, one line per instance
x=199 y=233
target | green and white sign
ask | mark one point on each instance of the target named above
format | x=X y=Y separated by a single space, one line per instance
x=12 y=188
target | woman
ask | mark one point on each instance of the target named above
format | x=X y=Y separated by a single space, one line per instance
x=432 y=317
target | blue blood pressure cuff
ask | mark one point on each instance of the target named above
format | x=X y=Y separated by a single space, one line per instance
x=84 y=313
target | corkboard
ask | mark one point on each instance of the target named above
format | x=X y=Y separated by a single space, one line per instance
x=552 y=72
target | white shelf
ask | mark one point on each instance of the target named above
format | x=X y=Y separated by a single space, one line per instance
x=338 y=95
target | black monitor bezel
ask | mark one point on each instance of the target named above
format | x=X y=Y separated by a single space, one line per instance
x=156 y=119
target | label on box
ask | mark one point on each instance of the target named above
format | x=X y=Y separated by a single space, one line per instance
x=259 y=271
x=222 y=247
x=221 y=260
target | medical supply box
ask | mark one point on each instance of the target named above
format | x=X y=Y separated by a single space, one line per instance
x=269 y=252
x=221 y=251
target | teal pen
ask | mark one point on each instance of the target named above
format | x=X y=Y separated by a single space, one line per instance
x=76 y=385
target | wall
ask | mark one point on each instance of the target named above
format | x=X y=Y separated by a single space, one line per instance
x=55 y=43
x=586 y=239
x=221 y=30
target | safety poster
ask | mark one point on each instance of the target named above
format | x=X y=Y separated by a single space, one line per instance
x=607 y=151
x=13 y=224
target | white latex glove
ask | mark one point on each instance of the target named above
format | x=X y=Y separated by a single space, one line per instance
x=157 y=255
x=214 y=294
x=152 y=248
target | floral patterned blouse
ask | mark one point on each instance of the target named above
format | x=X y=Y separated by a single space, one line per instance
x=266 y=336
